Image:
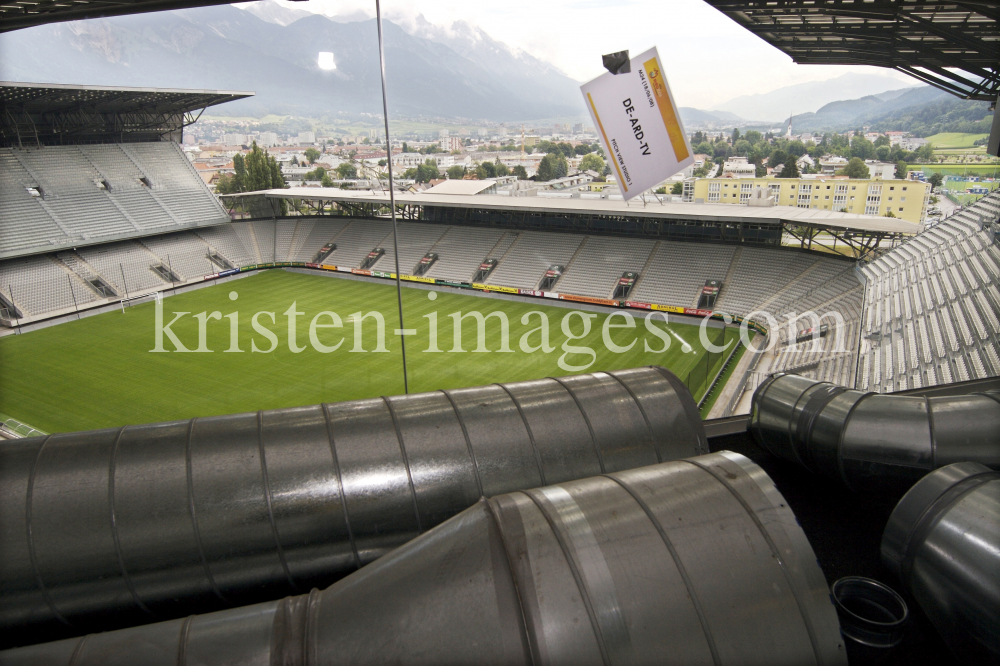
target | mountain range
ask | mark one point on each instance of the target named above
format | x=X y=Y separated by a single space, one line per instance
x=462 y=73
x=807 y=97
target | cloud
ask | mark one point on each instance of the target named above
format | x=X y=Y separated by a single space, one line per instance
x=709 y=58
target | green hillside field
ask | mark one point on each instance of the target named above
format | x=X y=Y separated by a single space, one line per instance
x=946 y=140
x=99 y=371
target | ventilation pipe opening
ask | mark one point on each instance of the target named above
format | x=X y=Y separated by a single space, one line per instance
x=872 y=617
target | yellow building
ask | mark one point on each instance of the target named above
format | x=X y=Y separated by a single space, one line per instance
x=907 y=199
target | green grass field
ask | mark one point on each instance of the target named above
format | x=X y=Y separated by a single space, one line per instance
x=99 y=372
x=950 y=140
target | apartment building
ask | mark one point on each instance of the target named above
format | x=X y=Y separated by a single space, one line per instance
x=906 y=199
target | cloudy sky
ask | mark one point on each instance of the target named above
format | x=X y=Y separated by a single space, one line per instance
x=711 y=58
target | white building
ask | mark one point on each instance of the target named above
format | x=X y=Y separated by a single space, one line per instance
x=831 y=164
x=450 y=143
x=911 y=143
x=267 y=139
x=443 y=161
x=882 y=170
x=234 y=139
x=738 y=167
x=306 y=138
x=443 y=134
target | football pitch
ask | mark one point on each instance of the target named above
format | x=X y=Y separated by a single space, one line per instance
x=100 y=372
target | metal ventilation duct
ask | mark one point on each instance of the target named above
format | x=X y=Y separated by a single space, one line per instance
x=943 y=542
x=119 y=527
x=871 y=441
x=691 y=562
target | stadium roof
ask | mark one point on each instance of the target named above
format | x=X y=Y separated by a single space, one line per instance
x=954 y=46
x=666 y=211
x=16 y=14
x=51 y=113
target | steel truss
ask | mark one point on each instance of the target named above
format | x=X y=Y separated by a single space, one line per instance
x=952 y=46
x=51 y=114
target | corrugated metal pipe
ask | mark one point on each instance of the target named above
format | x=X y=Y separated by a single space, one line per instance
x=943 y=542
x=689 y=562
x=118 y=527
x=871 y=441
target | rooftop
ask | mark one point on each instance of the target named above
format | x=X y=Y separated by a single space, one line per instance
x=665 y=211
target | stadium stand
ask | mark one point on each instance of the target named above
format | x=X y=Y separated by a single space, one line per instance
x=462 y=249
x=264 y=234
x=224 y=240
x=311 y=236
x=529 y=257
x=56 y=197
x=677 y=271
x=605 y=260
x=357 y=240
x=933 y=307
x=672 y=272
x=760 y=275
x=40 y=286
x=415 y=240
x=185 y=254
x=127 y=266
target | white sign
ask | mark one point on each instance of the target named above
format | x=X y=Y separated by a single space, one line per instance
x=639 y=124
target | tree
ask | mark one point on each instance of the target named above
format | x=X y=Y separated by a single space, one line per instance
x=258 y=171
x=901 y=169
x=742 y=147
x=881 y=140
x=520 y=172
x=592 y=162
x=456 y=172
x=226 y=184
x=239 y=165
x=889 y=213
x=796 y=148
x=552 y=166
x=316 y=174
x=704 y=148
x=502 y=169
x=583 y=149
x=777 y=158
x=347 y=171
x=382 y=163
x=486 y=170
x=862 y=148
x=678 y=188
x=326 y=181
x=856 y=168
x=312 y=155
x=427 y=172
x=736 y=134
x=295 y=160
x=882 y=153
x=791 y=170
x=406 y=148
x=936 y=179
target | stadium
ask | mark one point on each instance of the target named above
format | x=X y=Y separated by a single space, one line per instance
x=170 y=357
